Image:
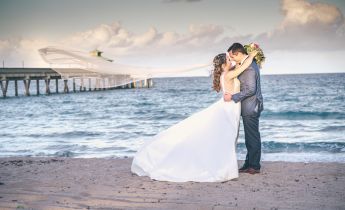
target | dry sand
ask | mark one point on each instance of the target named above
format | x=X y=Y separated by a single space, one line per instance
x=72 y=183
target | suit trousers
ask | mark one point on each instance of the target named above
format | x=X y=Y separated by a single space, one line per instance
x=252 y=141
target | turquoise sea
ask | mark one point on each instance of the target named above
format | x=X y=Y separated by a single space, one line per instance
x=303 y=120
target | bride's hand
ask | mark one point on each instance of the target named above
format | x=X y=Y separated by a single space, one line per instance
x=253 y=53
x=227 y=97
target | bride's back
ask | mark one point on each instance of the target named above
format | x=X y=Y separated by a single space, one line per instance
x=231 y=86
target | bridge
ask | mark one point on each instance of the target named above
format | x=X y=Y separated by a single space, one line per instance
x=78 y=76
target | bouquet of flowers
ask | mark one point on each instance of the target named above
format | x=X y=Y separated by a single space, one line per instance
x=260 y=57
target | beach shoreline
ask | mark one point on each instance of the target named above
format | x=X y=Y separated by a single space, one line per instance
x=107 y=183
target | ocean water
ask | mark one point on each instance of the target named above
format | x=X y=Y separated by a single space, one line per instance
x=303 y=120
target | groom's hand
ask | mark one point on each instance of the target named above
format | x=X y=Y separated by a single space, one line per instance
x=227 y=97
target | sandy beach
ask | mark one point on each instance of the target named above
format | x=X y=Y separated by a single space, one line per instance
x=73 y=183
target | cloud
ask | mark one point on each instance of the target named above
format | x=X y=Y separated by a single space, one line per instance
x=14 y=51
x=146 y=38
x=203 y=30
x=95 y=38
x=4 y=47
x=306 y=26
x=169 y=38
x=301 y=12
x=121 y=39
x=117 y=41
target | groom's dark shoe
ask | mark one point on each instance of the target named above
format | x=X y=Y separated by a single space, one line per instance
x=243 y=169
x=252 y=171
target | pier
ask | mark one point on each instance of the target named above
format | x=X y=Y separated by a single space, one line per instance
x=79 y=80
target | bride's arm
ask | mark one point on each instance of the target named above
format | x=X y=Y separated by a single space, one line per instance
x=238 y=70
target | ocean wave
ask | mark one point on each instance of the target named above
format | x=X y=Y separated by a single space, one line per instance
x=333 y=128
x=145 y=103
x=278 y=147
x=65 y=134
x=114 y=148
x=66 y=153
x=303 y=115
x=72 y=147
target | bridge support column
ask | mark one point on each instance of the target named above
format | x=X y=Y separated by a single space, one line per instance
x=56 y=85
x=150 y=83
x=47 y=81
x=37 y=86
x=103 y=82
x=4 y=87
x=15 y=87
x=65 y=89
x=82 y=86
x=74 y=85
x=27 y=86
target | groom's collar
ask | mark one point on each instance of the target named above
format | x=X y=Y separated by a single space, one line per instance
x=243 y=59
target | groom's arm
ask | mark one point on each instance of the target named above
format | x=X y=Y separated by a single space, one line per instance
x=248 y=88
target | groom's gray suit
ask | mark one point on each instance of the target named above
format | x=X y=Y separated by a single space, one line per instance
x=251 y=107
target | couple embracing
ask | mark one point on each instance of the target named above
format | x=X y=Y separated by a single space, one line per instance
x=202 y=147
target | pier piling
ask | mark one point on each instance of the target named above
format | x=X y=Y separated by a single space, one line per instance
x=65 y=90
x=16 y=87
x=57 y=85
x=47 y=81
x=37 y=87
x=27 y=86
x=4 y=87
x=95 y=81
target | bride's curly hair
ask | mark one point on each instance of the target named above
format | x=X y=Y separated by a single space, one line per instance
x=217 y=70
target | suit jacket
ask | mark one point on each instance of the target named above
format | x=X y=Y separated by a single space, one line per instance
x=250 y=93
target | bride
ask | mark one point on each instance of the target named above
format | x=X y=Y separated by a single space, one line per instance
x=202 y=147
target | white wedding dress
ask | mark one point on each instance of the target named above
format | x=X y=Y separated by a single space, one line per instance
x=200 y=148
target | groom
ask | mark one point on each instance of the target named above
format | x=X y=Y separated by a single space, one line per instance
x=251 y=107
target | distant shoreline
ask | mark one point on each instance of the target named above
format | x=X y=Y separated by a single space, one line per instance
x=98 y=183
x=293 y=74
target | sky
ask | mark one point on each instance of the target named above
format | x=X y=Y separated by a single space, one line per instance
x=297 y=36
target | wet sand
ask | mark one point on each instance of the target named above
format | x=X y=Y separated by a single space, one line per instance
x=73 y=183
